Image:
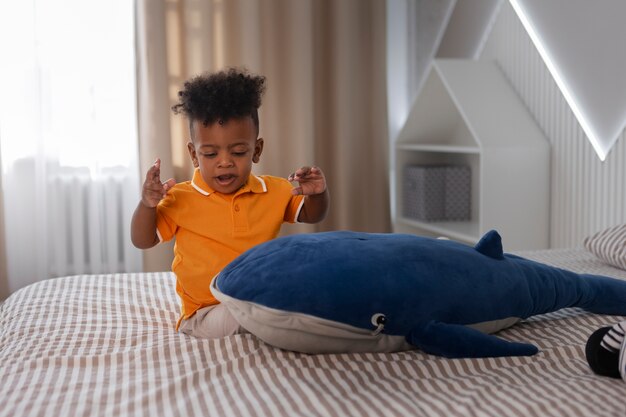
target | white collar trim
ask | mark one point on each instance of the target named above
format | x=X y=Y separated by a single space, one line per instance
x=262 y=183
x=198 y=189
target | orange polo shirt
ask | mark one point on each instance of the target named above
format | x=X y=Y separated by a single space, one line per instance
x=212 y=229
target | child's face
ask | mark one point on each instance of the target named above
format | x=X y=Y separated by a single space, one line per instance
x=225 y=152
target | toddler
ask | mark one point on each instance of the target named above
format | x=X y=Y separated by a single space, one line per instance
x=224 y=209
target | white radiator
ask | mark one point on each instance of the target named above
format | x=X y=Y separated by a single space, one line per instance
x=89 y=224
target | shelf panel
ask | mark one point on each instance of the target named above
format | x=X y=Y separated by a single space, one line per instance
x=465 y=231
x=422 y=147
x=467 y=113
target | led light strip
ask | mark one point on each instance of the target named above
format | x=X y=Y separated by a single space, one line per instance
x=560 y=82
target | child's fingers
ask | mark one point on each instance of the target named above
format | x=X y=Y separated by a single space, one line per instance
x=169 y=184
x=154 y=172
x=153 y=186
x=158 y=191
x=151 y=198
x=311 y=181
x=153 y=190
x=293 y=176
x=315 y=173
x=299 y=173
x=307 y=189
x=154 y=195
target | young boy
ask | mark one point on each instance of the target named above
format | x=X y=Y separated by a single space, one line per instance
x=224 y=210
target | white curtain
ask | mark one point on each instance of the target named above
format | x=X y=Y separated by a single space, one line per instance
x=68 y=137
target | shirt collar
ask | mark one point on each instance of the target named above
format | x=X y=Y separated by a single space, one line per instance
x=198 y=183
x=254 y=184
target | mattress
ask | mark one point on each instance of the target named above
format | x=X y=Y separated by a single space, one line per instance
x=106 y=345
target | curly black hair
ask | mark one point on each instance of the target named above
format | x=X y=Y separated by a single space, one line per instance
x=229 y=94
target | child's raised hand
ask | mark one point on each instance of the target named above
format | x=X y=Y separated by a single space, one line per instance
x=311 y=181
x=153 y=189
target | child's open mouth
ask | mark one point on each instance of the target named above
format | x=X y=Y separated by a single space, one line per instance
x=225 y=180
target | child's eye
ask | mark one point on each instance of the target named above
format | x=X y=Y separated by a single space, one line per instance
x=240 y=153
x=208 y=155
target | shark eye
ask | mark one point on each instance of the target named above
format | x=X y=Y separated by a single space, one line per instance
x=379 y=320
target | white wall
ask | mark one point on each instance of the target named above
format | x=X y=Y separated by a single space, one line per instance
x=587 y=194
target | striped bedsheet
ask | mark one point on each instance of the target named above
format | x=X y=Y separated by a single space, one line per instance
x=105 y=345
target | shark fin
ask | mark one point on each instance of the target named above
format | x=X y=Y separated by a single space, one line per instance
x=458 y=341
x=491 y=245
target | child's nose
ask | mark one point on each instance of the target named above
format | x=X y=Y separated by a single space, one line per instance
x=225 y=161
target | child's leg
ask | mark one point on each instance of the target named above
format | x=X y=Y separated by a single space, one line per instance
x=211 y=323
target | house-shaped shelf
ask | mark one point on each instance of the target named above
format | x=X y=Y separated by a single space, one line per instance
x=467 y=113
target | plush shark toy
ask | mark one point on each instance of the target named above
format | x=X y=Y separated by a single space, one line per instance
x=362 y=292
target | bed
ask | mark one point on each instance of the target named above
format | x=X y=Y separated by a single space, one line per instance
x=105 y=345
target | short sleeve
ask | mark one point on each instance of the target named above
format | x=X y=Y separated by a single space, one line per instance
x=165 y=218
x=294 y=206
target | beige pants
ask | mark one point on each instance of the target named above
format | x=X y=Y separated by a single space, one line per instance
x=211 y=322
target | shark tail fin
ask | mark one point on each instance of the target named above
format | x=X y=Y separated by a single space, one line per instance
x=491 y=245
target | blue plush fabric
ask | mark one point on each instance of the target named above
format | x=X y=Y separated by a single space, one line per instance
x=428 y=289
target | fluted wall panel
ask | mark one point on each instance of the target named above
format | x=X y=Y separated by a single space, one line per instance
x=587 y=194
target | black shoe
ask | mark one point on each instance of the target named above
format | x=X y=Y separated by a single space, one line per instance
x=602 y=361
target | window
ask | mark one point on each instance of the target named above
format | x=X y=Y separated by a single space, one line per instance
x=68 y=123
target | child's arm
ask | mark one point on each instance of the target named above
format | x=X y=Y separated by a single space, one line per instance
x=143 y=225
x=312 y=185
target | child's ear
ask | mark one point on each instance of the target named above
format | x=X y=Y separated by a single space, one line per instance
x=192 y=154
x=258 y=149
